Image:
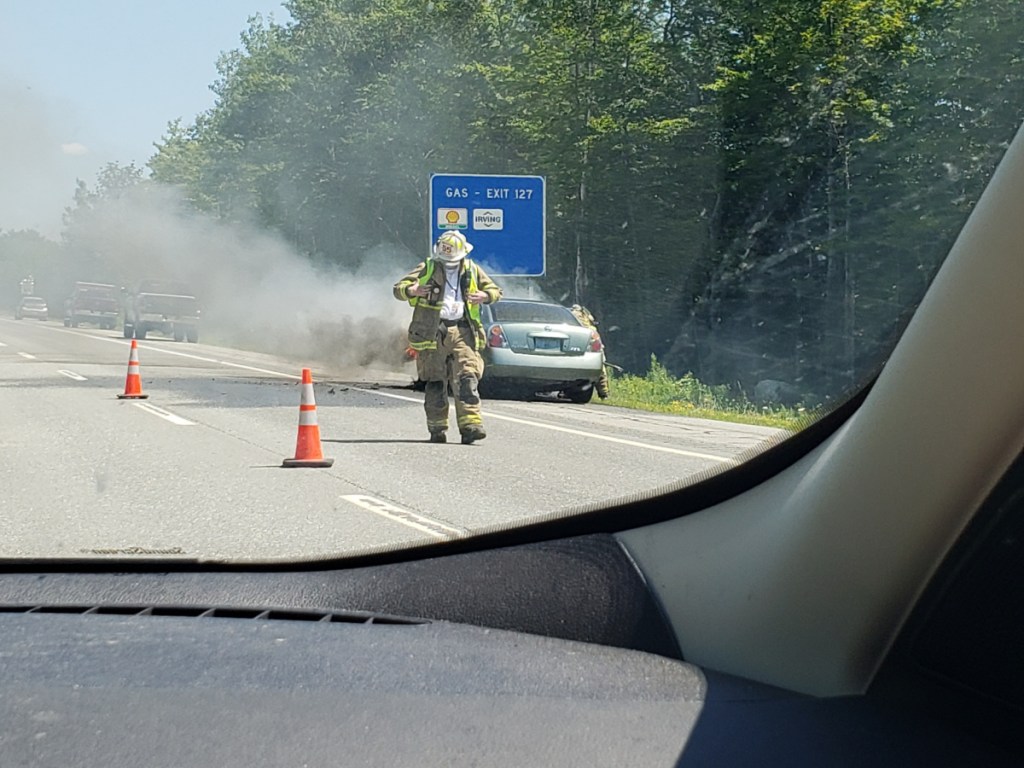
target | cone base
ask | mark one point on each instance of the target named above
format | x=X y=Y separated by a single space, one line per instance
x=132 y=397
x=307 y=462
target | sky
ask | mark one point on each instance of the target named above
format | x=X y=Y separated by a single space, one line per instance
x=87 y=82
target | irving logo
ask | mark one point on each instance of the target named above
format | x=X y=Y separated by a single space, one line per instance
x=488 y=218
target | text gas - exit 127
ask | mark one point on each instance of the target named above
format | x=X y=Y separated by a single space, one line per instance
x=491 y=193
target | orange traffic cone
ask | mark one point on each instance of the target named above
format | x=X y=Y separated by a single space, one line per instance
x=307 y=447
x=133 y=383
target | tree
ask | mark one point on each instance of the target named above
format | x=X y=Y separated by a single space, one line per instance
x=811 y=97
x=26 y=253
x=747 y=190
x=97 y=224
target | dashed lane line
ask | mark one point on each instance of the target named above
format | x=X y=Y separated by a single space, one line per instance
x=410 y=519
x=166 y=415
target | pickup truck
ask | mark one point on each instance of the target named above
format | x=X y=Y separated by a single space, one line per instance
x=92 y=303
x=169 y=308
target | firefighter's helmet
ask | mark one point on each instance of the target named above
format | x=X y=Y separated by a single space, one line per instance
x=451 y=247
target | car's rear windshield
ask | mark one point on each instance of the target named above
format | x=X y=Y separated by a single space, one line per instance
x=169 y=288
x=528 y=312
x=34 y=303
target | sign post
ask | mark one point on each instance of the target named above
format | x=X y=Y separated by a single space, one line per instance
x=501 y=216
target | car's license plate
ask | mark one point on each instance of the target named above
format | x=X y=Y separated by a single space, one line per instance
x=542 y=343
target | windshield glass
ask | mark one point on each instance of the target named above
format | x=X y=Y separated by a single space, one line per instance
x=313 y=213
x=530 y=312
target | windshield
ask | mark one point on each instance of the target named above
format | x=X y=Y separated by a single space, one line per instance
x=530 y=312
x=96 y=293
x=313 y=212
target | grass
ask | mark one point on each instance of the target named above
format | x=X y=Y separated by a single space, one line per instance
x=661 y=392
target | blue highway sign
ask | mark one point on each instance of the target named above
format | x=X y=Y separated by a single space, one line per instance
x=501 y=216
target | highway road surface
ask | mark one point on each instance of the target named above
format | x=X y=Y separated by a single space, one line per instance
x=194 y=471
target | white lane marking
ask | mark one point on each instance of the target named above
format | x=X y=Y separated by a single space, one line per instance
x=167 y=415
x=219 y=362
x=404 y=516
x=2 y=344
x=619 y=440
x=490 y=415
x=27 y=356
x=571 y=431
x=71 y=375
x=200 y=358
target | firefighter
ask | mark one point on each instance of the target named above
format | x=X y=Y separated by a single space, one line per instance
x=446 y=292
x=587 y=320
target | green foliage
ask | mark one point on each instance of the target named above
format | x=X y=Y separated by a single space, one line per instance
x=662 y=392
x=24 y=254
x=748 y=190
x=96 y=225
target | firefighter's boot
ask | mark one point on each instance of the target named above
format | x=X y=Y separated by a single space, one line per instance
x=438 y=436
x=471 y=433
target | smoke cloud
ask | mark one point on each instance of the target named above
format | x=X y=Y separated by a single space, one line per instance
x=254 y=290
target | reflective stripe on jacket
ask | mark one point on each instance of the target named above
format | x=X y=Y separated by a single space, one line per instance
x=426 y=315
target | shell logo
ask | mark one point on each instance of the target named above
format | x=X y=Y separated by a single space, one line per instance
x=452 y=218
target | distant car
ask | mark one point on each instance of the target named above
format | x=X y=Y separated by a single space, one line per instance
x=32 y=306
x=97 y=303
x=169 y=308
x=539 y=346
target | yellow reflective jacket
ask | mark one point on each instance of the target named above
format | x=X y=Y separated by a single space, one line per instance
x=426 y=315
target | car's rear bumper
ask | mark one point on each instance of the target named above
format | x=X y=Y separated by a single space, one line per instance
x=506 y=364
x=108 y=319
x=180 y=319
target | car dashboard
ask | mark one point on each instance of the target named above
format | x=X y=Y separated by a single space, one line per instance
x=539 y=654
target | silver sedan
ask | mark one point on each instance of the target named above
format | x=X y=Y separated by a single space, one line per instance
x=32 y=306
x=539 y=346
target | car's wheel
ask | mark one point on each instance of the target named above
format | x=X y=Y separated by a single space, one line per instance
x=179 y=334
x=129 y=330
x=579 y=395
x=67 y=323
x=193 y=335
x=140 y=333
